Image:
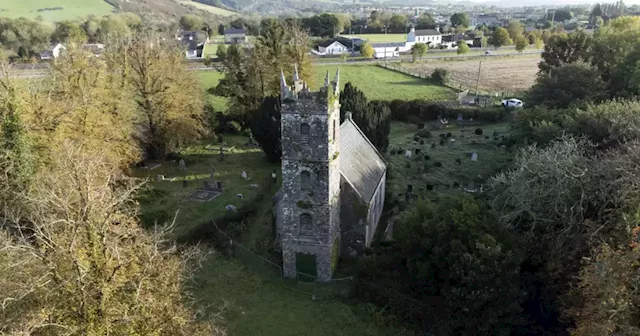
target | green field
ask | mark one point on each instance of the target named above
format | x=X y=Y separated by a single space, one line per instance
x=209 y=79
x=382 y=84
x=72 y=9
x=211 y=9
x=451 y=176
x=375 y=38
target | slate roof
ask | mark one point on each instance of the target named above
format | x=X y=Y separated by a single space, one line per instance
x=360 y=162
x=329 y=42
x=389 y=45
x=233 y=31
x=427 y=32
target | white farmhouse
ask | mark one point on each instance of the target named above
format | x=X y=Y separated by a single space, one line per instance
x=332 y=47
x=430 y=37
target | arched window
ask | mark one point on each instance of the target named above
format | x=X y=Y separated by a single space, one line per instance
x=306 y=223
x=305 y=129
x=305 y=180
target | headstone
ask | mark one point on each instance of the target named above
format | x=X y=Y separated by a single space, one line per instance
x=185 y=184
x=419 y=170
x=244 y=175
x=220 y=139
x=183 y=165
x=441 y=142
x=474 y=156
x=452 y=142
x=274 y=177
x=253 y=186
x=212 y=172
x=458 y=161
x=407 y=154
x=206 y=185
x=486 y=137
x=407 y=197
x=460 y=118
x=449 y=135
x=416 y=138
x=219 y=185
x=408 y=165
x=409 y=188
x=427 y=157
x=433 y=145
x=429 y=187
x=159 y=177
x=230 y=208
x=221 y=154
x=240 y=196
x=417 y=150
x=442 y=135
x=422 y=142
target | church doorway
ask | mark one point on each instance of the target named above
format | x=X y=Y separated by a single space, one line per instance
x=306 y=267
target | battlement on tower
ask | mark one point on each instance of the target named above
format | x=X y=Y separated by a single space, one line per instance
x=312 y=101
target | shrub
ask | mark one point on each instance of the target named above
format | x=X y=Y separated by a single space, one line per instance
x=440 y=75
x=424 y=133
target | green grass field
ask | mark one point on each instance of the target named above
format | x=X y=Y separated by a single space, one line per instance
x=382 y=84
x=211 y=9
x=209 y=79
x=375 y=38
x=72 y=9
x=422 y=172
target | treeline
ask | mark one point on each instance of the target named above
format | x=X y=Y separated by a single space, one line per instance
x=551 y=246
x=73 y=257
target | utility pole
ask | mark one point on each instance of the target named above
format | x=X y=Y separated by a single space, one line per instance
x=385 y=46
x=478 y=80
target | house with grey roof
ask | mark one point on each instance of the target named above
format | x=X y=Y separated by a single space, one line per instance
x=235 y=36
x=333 y=182
x=193 y=43
x=430 y=37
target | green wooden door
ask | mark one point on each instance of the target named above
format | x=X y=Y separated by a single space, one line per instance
x=306 y=266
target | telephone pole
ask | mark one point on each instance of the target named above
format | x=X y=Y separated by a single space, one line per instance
x=478 y=80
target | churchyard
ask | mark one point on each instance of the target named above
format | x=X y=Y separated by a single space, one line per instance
x=497 y=74
x=452 y=159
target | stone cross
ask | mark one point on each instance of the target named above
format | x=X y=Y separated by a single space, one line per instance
x=244 y=175
x=183 y=165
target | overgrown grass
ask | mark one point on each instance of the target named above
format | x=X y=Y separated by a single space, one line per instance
x=71 y=9
x=170 y=197
x=382 y=84
x=491 y=158
x=376 y=38
x=209 y=79
x=212 y=9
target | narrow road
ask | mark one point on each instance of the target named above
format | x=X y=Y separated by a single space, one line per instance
x=42 y=70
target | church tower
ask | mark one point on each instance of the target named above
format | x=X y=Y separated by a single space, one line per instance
x=310 y=232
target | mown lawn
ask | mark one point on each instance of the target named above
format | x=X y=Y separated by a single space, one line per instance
x=209 y=79
x=71 y=9
x=375 y=38
x=382 y=84
x=421 y=172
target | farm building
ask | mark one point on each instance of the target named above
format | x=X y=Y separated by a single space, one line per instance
x=235 y=36
x=388 y=50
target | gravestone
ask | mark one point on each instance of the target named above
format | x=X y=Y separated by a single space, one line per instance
x=452 y=142
x=458 y=161
x=486 y=137
x=212 y=172
x=219 y=185
x=206 y=185
x=408 y=165
x=244 y=175
x=409 y=188
x=417 y=150
x=182 y=164
x=240 y=196
x=159 y=177
x=185 y=184
x=421 y=142
x=427 y=157
x=456 y=185
x=416 y=138
x=253 y=186
x=429 y=187
x=495 y=133
x=221 y=154
x=433 y=145
x=419 y=170
x=442 y=135
x=407 y=154
x=474 y=156
x=420 y=125
x=230 y=208
x=220 y=139
x=441 y=142
x=449 y=135
x=460 y=118
x=438 y=164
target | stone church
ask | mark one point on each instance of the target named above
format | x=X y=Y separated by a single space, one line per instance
x=333 y=182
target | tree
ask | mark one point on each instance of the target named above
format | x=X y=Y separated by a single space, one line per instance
x=172 y=113
x=418 y=50
x=68 y=32
x=459 y=268
x=221 y=53
x=366 y=50
x=613 y=47
x=265 y=127
x=565 y=49
x=538 y=43
x=500 y=37
x=372 y=118
x=463 y=48
x=323 y=25
x=190 y=22
x=425 y=21
x=460 y=20
x=78 y=262
x=484 y=42
x=398 y=22
x=521 y=43
x=562 y=15
x=515 y=30
x=570 y=84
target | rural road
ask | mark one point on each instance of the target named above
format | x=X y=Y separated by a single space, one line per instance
x=42 y=70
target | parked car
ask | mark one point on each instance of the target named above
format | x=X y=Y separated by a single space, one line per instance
x=488 y=52
x=512 y=103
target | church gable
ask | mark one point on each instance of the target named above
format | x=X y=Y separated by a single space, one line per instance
x=360 y=162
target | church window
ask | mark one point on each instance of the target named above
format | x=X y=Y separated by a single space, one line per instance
x=306 y=223
x=305 y=180
x=334 y=130
x=305 y=129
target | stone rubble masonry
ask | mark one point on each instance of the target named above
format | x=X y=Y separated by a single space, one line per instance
x=317 y=154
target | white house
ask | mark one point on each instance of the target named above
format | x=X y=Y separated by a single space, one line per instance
x=332 y=48
x=53 y=52
x=430 y=37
